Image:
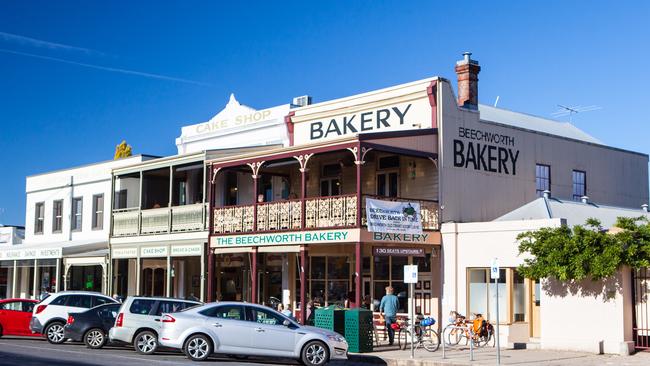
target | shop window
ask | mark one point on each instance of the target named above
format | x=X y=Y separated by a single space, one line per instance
x=39 y=217
x=331 y=286
x=542 y=179
x=518 y=297
x=57 y=216
x=98 y=211
x=482 y=294
x=579 y=184
x=389 y=271
x=317 y=268
x=423 y=263
x=77 y=211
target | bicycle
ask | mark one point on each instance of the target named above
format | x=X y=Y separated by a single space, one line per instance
x=479 y=331
x=424 y=334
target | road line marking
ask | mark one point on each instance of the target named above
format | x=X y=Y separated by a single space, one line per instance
x=111 y=355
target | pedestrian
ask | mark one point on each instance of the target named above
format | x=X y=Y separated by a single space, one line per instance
x=287 y=311
x=280 y=308
x=388 y=310
x=309 y=316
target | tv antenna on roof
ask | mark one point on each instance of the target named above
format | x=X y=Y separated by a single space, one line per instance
x=570 y=111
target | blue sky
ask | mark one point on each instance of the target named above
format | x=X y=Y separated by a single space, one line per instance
x=77 y=77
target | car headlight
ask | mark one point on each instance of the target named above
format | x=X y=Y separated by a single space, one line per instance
x=336 y=338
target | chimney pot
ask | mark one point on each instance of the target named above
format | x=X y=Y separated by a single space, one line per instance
x=584 y=199
x=547 y=194
x=467 y=72
x=644 y=207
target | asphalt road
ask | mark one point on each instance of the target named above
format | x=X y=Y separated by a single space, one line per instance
x=17 y=351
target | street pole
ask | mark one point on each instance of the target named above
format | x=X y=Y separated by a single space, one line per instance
x=497 y=330
x=412 y=290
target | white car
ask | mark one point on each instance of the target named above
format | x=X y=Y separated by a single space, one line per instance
x=50 y=315
x=234 y=328
x=138 y=321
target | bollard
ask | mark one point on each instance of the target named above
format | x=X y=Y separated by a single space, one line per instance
x=471 y=345
x=443 y=342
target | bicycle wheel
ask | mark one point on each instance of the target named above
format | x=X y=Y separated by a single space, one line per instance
x=430 y=340
x=454 y=336
x=402 y=337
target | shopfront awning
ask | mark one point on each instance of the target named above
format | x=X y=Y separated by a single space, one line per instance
x=51 y=250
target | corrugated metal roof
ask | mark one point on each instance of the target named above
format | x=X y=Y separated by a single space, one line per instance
x=535 y=123
x=575 y=213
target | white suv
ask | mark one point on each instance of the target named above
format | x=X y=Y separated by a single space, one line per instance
x=138 y=321
x=50 y=315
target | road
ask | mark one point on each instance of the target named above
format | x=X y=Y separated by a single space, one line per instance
x=17 y=351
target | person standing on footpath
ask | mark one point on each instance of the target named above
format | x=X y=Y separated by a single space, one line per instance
x=388 y=309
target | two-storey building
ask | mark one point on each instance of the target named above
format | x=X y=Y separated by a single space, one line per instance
x=159 y=215
x=290 y=224
x=66 y=231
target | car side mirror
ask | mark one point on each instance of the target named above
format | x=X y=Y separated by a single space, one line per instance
x=286 y=323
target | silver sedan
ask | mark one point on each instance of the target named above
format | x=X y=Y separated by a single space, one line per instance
x=235 y=328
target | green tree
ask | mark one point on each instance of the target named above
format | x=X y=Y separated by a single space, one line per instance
x=586 y=251
x=123 y=150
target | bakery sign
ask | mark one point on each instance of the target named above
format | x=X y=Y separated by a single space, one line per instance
x=410 y=115
x=485 y=150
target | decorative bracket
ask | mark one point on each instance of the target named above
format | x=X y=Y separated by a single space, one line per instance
x=355 y=151
x=302 y=160
x=214 y=174
x=255 y=166
x=434 y=161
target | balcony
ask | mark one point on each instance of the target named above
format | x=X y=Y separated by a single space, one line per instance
x=176 y=219
x=319 y=213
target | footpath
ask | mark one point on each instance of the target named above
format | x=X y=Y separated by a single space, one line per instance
x=392 y=356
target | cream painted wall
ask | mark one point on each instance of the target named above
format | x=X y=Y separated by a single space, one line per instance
x=591 y=317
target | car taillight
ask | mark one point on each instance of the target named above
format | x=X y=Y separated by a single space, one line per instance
x=119 y=320
x=70 y=319
x=40 y=308
x=168 y=319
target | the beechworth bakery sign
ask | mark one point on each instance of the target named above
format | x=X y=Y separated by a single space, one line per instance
x=393 y=217
x=485 y=150
x=411 y=115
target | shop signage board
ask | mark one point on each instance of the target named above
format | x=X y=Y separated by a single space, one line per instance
x=118 y=253
x=393 y=217
x=414 y=114
x=186 y=250
x=288 y=238
x=36 y=253
x=149 y=252
x=397 y=252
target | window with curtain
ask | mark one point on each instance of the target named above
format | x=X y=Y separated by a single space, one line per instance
x=77 y=211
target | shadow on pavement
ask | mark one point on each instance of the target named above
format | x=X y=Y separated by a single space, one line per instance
x=13 y=359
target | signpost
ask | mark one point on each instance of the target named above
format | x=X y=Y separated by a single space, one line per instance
x=495 y=274
x=411 y=277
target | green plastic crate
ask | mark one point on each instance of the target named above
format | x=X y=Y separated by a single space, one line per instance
x=359 y=330
x=331 y=317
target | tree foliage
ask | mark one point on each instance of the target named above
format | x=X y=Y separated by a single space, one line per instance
x=123 y=150
x=586 y=251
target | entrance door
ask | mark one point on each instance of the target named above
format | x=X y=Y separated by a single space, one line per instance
x=535 y=301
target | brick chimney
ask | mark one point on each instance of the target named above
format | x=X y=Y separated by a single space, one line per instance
x=467 y=71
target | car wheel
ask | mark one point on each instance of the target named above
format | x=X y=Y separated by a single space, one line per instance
x=198 y=348
x=95 y=338
x=54 y=333
x=145 y=343
x=315 y=353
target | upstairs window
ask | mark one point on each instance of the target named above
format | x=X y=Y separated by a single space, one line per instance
x=579 y=184
x=39 y=217
x=77 y=210
x=57 y=216
x=388 y=176
x=98 y=212
x=542 y=179
x=330 y=183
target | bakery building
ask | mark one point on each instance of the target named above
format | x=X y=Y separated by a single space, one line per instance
x=307 y=222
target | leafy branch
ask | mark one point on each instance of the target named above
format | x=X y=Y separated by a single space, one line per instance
x=585 y=251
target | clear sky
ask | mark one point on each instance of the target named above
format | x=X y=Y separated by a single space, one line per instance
x=77 y=77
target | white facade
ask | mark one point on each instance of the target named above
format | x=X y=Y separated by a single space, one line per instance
x=586 y=316
x=11 y=235
x=237 y=125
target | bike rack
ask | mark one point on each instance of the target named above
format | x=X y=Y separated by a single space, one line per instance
x=461 y=328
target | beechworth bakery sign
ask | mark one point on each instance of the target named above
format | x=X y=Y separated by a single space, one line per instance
x=415 y=114
x=486 y=151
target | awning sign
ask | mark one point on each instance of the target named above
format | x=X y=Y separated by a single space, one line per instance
x=393 y=217
x=40 y=253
